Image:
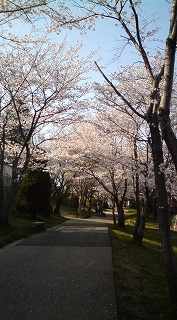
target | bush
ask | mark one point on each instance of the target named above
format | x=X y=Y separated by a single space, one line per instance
x=105 y=205
x=72 y=201
x=94 y=201
x=35 y=194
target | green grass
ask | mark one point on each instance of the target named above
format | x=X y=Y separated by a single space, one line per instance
x=73 y=212
x=140 y=282
x=19 y=225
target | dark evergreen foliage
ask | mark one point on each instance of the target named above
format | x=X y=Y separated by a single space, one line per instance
x=34 y=196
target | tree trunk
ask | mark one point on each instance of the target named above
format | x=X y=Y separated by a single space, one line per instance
x=142 y=210
x=140 y=222
x=121 y=217
x=171 y=142
x=113 y=212
x=163 y=213
x=59 y=196
x=81 y=204
x=90 y=202
x=165 y=102
x=138 y=231
x=120 y=210
x=57 y=207
x=2 y=196
x=169 y=137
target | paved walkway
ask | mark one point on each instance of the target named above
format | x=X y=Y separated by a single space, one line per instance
x=64 y=273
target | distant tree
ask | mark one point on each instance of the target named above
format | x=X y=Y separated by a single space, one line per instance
x=61 y=186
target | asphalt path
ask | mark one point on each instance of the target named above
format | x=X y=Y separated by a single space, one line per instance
x=63 y=273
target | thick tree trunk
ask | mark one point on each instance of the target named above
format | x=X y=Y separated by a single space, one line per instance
x=140 y=223
x=165 y=102
x=163 y=209
x=139 y=231
x=169 y=137
x=163 y=213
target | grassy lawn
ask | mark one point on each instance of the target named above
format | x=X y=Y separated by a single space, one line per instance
x=141 y=287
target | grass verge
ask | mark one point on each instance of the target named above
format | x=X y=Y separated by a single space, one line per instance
x=140 y=282
x=67 y=211
x=19 y=225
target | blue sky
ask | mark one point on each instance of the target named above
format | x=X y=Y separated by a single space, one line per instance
x=103 y=39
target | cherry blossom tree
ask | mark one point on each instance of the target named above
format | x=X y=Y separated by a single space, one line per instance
x=137 y=32
x=99 y=155
x=42 y=83
x=156 y=105
x=152 y=116
x=113 y=110
x=58 y=165
x=28 y=10
x=129 y=15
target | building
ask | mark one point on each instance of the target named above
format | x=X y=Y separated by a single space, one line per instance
x=7 y=177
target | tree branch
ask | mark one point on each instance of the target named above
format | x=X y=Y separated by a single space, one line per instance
x=119 y=94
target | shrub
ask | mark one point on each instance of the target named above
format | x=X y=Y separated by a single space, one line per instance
x=72 y=201
x=35 y=194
